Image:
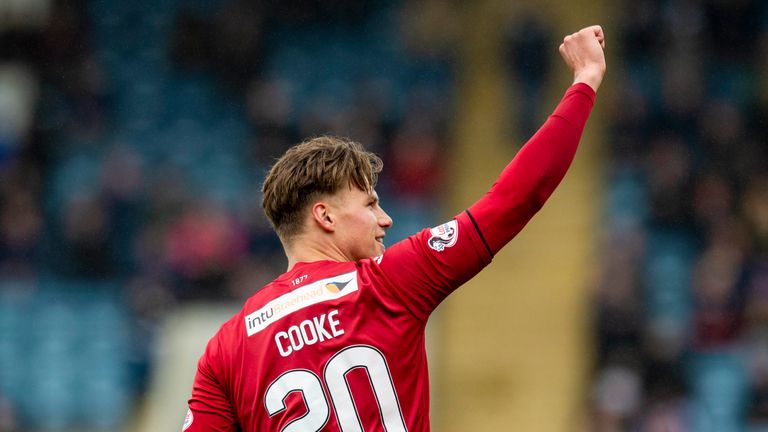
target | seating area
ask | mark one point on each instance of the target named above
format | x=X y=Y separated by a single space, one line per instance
x=680 y=308
x=66 y=353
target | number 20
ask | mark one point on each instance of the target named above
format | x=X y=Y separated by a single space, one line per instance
x=311 y=388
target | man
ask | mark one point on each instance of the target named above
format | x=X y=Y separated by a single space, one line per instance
x=337 y=342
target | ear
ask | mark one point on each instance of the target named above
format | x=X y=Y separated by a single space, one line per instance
x=321 y=213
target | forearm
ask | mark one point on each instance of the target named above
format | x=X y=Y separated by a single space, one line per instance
x=529 y=180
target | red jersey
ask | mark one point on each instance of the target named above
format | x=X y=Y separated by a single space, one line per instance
x=339 y=346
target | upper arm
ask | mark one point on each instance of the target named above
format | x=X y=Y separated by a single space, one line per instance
x=424 y=268
x=210 y=408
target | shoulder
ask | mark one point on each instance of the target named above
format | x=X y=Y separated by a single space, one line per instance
x=224 y=339
x=233 y=330
x=369 y=267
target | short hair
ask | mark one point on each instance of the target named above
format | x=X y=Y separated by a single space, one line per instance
x=315 y=167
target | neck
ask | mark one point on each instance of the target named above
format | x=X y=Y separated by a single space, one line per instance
x=307 y=249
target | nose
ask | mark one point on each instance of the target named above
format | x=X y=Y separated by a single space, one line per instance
x=384 y=220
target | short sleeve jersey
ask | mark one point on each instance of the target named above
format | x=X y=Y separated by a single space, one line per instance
x=336 y=346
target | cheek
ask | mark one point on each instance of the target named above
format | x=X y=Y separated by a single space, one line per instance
x=366 y=219
x=375 y=216
x=359 y=225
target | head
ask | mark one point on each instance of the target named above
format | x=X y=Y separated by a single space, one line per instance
x=324 y=187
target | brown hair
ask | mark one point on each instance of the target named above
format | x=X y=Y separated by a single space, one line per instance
x=318 y=166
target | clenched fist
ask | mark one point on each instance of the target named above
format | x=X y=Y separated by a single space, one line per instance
x=583 y=53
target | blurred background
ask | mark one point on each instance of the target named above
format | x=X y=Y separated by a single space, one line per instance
x=134 y=136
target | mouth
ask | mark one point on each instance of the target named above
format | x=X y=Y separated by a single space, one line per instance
x=380 y=239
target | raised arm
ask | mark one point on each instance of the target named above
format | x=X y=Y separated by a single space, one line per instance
x=528 y=181
x=428 y=266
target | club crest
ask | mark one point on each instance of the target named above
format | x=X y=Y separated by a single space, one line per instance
x=443 y=236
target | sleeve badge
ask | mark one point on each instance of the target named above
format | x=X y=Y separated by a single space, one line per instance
x=443 y=236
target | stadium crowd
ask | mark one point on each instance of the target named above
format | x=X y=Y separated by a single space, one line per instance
x=681 y=318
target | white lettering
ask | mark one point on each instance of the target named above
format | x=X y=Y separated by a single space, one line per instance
x=319 y=322
x=334 y=324
x=308 y=332
x=309 y=336
x=285 y=352
x=294 y=335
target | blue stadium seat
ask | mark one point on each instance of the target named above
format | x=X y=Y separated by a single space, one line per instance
x=667 y=275
x=720 y=391
x=63 y=350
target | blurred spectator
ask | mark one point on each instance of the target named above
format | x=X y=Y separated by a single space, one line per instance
x=7 y=416
x=631 y=109
x=618 y=311
x=755 y=209
x=85 y=238
x=202 y=247
x=669 y=180
x=732 y=28
x=270 y=111
x=65 y=38
x=525 y=41
x=431 y=28
x=238 y=42
x=18 y=98
x=190 y=44
x=713 y=205
x=757 y=364
x=617 y=396
x=640 y=34
x=415 y=162
x=21 y=221
x=718 y=300
x=673 y=415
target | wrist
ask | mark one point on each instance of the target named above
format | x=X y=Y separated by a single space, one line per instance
x=592 y=77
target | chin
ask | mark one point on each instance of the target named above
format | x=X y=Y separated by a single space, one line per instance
x=378 y=251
